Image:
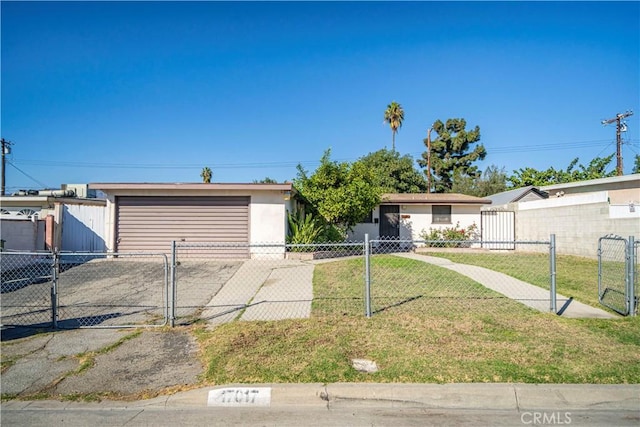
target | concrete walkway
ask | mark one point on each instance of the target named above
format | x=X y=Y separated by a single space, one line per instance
x=264 y=290
x=523 y=292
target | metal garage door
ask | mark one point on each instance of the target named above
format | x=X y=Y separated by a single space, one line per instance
x=151 y=223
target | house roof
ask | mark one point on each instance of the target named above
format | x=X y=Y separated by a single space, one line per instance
x=107 y=186
x=515 y=195
x=631 y=181
x=431 y=199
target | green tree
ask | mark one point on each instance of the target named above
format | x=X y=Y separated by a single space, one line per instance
x=492 y=181
x=394 y=173
x=206 y=175
x=265 y=180
x=597 y=168
x=451 y=155
x=636 y=165
x=342 y=193
x=394 y=116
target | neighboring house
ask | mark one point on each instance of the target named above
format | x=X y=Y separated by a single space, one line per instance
x=149 y=216
x=611 y=184
x=579 y=213
x=405 y=216
x=524 y=194
x=65 y=219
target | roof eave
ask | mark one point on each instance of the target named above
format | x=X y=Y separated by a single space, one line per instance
x=201 y=186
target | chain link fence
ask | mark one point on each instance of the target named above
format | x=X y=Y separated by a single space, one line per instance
x=270 y=282
x=617 y=274
x=222 y=282
x=26 y=284
x=449 y=276
x=112 y=290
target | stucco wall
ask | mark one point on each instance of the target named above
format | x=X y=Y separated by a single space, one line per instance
x=577 y=221
x=22 y=234
x=268 y=215
x=416 y=218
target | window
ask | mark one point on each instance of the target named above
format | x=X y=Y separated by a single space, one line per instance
x=368 y=219
x=441 y=214
x=27 y=212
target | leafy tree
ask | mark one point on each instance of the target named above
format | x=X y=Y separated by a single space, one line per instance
x=342 y=193
x=394 y=173
x=265 y=180
x=636 y=165
x=206 y=175
x=597 y=168
x=394 y=115
x=451 y=155
x=492 y=181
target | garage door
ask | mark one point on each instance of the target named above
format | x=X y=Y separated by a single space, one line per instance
x=151 y=223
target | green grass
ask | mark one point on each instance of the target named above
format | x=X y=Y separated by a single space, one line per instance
x=575 y=276
x=423 y=340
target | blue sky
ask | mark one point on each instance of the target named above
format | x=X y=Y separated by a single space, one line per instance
x=154 y=91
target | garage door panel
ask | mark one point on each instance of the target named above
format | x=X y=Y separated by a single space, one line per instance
x=151 y=223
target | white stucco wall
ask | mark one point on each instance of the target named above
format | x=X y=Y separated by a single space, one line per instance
x=416 y=218
x=577 y=221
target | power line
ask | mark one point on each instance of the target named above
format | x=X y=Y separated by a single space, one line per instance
x=288 y=164
x=27 y=175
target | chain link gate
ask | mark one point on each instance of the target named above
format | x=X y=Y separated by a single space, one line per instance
x=111 y=290
x=617 y=278
x=69 y=290
x=26 y=280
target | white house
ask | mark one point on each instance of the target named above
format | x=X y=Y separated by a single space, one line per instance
x=405 y=216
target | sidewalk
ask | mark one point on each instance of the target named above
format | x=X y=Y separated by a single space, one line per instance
x=523 y=292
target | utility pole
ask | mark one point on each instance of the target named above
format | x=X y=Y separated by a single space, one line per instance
x=429 y=160
x=620 y=127
x=6 y=149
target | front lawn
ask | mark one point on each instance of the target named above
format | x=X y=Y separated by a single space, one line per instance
x=505 y=342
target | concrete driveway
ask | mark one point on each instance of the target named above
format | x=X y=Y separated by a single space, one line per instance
x=264 y=290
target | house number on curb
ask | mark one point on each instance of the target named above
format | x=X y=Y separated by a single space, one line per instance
x=240 y=396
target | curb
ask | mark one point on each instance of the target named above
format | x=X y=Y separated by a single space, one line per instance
x=474 y=396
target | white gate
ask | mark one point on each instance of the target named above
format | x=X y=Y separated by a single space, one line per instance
x=83 y=228
x=498 y=226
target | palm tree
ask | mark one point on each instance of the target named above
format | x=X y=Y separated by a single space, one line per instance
x=206 y=175
x=394 y=115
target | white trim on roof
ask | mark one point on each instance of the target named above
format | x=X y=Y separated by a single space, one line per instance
x=610 y=180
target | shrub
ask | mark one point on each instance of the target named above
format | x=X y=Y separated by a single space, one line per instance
x=450 y=236
x=305 y=228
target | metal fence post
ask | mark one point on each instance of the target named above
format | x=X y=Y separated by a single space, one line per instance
x=367 y=275
x=172 y=302
x=631 y=266
x=54 y=289
x=552 y=268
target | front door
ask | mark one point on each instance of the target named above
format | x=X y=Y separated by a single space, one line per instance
x=390 y=222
